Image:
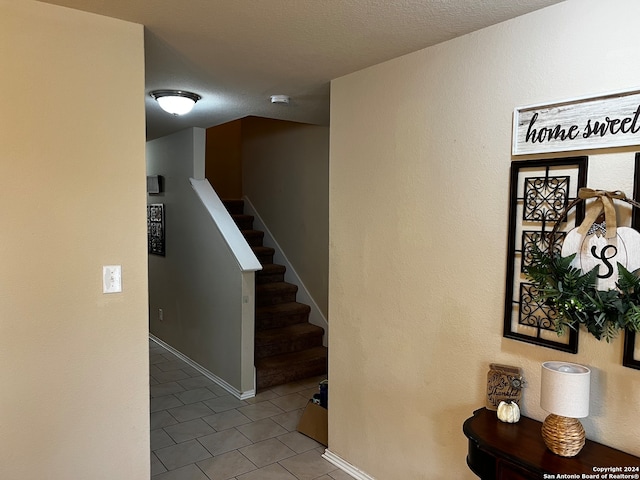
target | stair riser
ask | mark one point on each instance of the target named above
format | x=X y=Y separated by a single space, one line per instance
x=265 y=258
x=244 y=223
x=275 y=298
x=262 y=279
x=234 y=207
x=267 y=322
x=268 y=378
x=295 y=344
x=254 y=240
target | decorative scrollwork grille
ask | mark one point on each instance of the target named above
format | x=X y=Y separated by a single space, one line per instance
x=541 y=190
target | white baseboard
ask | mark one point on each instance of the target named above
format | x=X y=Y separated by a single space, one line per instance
x=214 y=378
x=315 y=316
x=345 y=466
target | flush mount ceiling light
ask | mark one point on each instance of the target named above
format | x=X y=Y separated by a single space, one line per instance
x=175 y=102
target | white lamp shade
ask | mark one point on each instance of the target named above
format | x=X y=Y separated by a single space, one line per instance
x=175 y=102
x=564 y=389
x=176 y=105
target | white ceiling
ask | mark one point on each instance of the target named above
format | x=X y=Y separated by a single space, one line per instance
x=237 y=53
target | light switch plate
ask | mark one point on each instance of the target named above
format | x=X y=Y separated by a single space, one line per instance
x=111 y=279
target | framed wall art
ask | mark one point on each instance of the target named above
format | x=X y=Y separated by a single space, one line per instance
x=540 y=192
x=155 y=229
x=631 y=353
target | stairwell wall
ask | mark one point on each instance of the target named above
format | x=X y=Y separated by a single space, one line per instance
x=224 y=159
x=419 y=193
x=198 y=284
x=285 y=175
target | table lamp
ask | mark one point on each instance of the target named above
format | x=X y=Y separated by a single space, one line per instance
x=564 y=393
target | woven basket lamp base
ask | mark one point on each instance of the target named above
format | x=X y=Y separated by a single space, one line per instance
x=563 y=436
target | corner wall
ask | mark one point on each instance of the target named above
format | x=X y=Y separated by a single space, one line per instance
x=74 y=400
x=419 y=190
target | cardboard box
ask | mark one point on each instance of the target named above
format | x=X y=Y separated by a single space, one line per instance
x=314 y=423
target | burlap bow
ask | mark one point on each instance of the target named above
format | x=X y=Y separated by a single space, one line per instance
x=603 y=201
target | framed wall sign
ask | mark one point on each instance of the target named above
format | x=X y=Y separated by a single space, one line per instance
x=155 y=229
x=540 y=192
x=607 y=121
x=631 y=353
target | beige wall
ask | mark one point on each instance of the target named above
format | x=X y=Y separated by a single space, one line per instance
x=419 y=172
x=73 y=361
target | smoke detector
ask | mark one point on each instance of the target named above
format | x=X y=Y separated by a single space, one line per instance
x=280 y=99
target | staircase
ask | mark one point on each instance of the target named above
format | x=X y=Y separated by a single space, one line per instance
x=287 y=346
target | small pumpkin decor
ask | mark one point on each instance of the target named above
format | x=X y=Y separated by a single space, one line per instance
x=594 y=279
x=508 y=412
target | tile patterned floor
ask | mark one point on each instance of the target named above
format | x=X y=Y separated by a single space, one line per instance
x=201 y=432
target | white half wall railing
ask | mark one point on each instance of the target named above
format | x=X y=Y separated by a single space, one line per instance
x=236 y=242
x=248 y=264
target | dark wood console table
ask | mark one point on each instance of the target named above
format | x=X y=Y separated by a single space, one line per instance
x=515 y=451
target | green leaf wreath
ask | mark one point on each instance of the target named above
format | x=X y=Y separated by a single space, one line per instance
x=573 y=296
